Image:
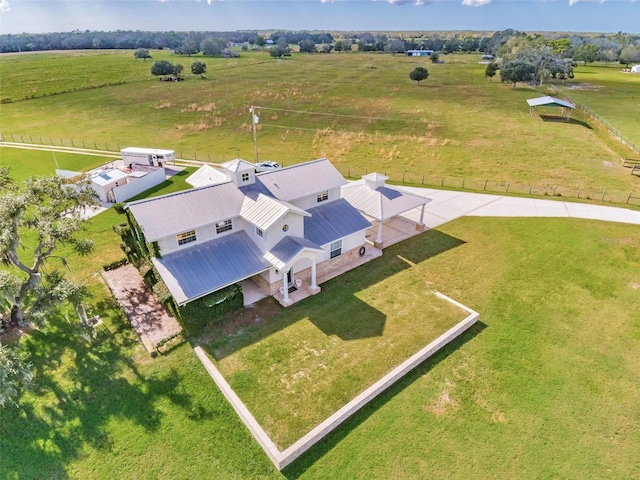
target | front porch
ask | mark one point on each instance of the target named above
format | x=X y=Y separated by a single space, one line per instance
x=301 y=287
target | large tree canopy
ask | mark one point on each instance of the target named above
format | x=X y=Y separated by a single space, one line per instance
x=418 y=74
x=39 y=217
x=517 y=71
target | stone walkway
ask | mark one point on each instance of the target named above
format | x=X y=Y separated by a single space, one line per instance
x=142 y=307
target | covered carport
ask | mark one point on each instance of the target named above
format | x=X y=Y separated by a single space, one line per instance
x=551 y=102
x=384 y=205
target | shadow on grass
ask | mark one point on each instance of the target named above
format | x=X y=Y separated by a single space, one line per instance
x=561 y=119
x=302 y=464
x=78 y=389
x=336 y=310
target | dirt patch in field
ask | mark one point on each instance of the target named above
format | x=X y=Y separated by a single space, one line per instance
x=585 y=86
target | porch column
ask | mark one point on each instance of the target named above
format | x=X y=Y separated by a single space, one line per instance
x=379 y=237
x=314 y=285
x=285 y=288
x=420 y=225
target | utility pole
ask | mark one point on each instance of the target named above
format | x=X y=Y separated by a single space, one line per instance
x=254 y=122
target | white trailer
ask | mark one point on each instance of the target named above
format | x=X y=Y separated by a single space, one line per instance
x=147 y=156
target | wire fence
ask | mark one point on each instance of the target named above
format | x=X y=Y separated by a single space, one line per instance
x=496 y=186
x=612 y=129
x=428 y=180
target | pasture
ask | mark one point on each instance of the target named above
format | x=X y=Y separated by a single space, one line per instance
x=546 y=384
x=359 y=110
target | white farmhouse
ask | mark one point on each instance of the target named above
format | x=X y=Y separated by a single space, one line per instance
x=270 y=227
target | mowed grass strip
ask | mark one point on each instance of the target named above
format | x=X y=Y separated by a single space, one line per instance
x=314 y=357
x=455 y=124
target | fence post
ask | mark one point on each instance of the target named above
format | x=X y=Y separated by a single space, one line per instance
x=629 y=197
x=12 y=138
x=530 y=187
x=554 y=190
x=51 y=140
x=209 y=157
x=73 y=144
x=463 y=183
x=83 y=145
x=484 y=188
x=442 y=182
x=403 y=177
x=21 y=139
x=61 y=143
x=195 y=155
x=41 y=142
x=605 y=191
x=349 y=172
x=95 y=146
x=508 y=183
x=579 y=190
x=30 y=139
x=422 y=179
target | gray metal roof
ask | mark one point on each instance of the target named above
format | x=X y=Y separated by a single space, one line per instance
x=549 y=102
x=238 y=165
x=300 y=180
x=199 y=270
x=108 y=176
x=287 y=249
x=263 y=211
x=207 y=175
x=381 y=203
x=183 y=211
x=333 y=220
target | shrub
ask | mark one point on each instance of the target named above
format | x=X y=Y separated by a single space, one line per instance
x=115 y=264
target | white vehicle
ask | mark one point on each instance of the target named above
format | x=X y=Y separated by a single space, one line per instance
x=147 y=156
x=266 y=166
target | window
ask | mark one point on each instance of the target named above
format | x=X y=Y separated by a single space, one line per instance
x=186 y=237
x=259 y=232
x=285 y=228
x=322 y=196
x=224 y=226
x=245 y=177
x=336 y=249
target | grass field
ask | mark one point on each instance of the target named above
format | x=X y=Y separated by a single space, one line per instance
x=545 y=386
x=612 y=94
x=456 y=123
x=313 y=358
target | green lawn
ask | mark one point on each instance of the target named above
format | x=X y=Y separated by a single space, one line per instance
x=612 y=94
x=454 y=124
x=314 y=357
x=544 y=386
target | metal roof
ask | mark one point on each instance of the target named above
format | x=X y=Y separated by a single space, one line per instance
x=238 y=165
x=549 y=102
x=296 y=181
x=183 y=211
x=108 y=176
x=263 y=211
x=153 y=151
x=333 y=220
x=207 y=175
x=287 y=249
x=199 y=270
x=381 y=203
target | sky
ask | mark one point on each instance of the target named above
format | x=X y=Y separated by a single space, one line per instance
x=39 y=16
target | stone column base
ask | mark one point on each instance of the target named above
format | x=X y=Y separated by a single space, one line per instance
x=314 y=290
x=420 y=227
x=378 y=245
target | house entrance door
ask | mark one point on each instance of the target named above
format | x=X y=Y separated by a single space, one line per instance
x=290 y=276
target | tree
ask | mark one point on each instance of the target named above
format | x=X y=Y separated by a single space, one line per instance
x=279 y=51
x=395 y=45
x=491 y=70
x=587 y=53
x=199 y=68
x=261 y=41
x=435 y=57
x=213 y=46
x=630 y=54
x=517 y=71
x=307 y=46
x=177 y=69
x=142 y=53
x=15 y=374
x=162 y=67
x=45 y=213
x=418 y=74
x=188 y=47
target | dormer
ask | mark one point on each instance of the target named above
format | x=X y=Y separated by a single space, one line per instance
x=240 y=172
x=375 y=180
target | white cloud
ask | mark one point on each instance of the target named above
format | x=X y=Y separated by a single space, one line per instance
x=475 y=3
x=411 y=2
x=4 y=6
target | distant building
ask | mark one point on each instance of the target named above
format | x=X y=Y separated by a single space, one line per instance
x=419 y=53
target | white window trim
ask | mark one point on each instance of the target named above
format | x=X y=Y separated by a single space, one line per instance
x=187 y=237
x=224 y=226
x=322 y=196
x=259 y=232
x=338 y=249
